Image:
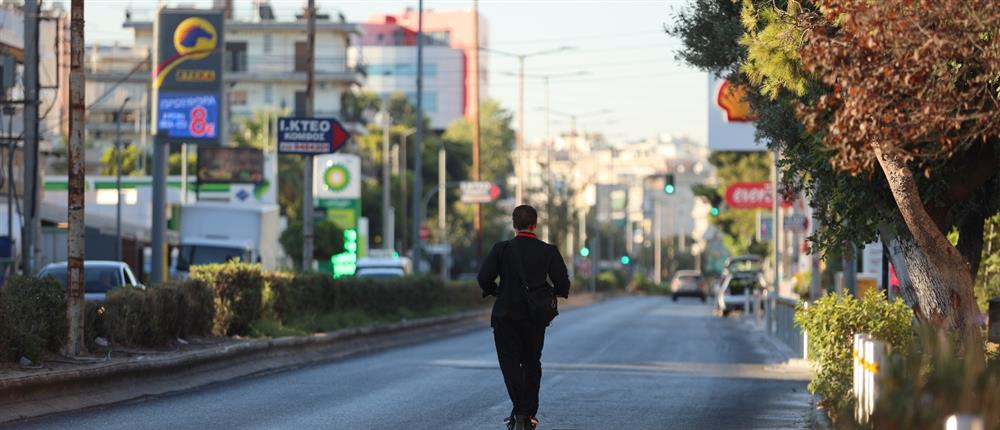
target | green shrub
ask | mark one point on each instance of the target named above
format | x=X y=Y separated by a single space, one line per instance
x=641 y=284
x=150 y=317
x=831 y=323
x=199 y=313
x=32 y=317
x=237 y=289
x=611 y=280
x=921 y=389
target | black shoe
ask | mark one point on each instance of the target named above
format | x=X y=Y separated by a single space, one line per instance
x=522 y=422
x=532 y=422
x=509 y=421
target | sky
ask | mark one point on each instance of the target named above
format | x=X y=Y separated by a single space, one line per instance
x=630 y=63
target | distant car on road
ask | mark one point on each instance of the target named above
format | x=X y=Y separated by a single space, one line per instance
x=732 y=293
x=382 y=267
x=99 y=277
x=689 y=283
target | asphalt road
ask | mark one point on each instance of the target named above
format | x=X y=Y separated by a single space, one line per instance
x=630 y=363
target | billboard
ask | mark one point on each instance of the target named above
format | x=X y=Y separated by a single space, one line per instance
x=187 y=77
x=730 y=120
x=218 y=164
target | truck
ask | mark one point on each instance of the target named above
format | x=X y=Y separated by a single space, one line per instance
x=213 y=232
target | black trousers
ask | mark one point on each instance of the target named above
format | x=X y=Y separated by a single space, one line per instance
x=519 y=350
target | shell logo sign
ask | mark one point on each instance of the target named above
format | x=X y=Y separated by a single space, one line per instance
x=195 y=38
x=732 y=100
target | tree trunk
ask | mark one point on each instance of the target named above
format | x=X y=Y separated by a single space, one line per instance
x=903 y=253
x=945 y=288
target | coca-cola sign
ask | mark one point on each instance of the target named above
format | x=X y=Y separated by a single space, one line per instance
x=750 y=195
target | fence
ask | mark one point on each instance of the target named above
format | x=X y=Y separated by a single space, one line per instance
x=785 y=328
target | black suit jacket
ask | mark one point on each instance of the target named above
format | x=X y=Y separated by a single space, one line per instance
x=541 y=261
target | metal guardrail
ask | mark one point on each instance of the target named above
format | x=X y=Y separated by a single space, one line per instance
x=785 y=328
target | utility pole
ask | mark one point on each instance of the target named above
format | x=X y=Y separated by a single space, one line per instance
x=442 y=202
x=160 y=158
x=418 y=179
x=519 y=169
x=75 y=237
x=478 y=222
x=308 y=215
x=657 y=246
x=30 y=149
x=118 y=179
x=775 y=237
x=388 y=241
x=404 y=161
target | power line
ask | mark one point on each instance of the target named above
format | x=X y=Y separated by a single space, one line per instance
x=120 y=81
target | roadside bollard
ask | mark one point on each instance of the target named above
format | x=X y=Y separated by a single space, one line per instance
x=746 y=301
x=964 y=422
x=994 y=320
x=858 y=357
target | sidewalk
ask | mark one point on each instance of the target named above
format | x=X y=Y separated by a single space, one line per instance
x=789 y=361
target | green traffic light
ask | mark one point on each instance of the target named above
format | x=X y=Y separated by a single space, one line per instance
x=584 y=252
x=669 y=188
x=625 y=260
x=714 y=211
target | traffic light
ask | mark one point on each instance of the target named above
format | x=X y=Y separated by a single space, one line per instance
x=584 y=252
x=714 y=211
x=625 y=260
x=668 y=184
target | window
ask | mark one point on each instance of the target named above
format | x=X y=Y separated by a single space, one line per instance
x=267 y=43
x=442 y=38
x=236 y=56
x=238 y=98
x=301 y=54
x=268 y=93
x=400 y=69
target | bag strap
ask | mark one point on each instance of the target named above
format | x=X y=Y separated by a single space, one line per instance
x=519 y=265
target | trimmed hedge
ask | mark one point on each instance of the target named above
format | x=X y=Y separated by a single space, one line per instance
x=237 y=288
x=32 y=317
x=220 y=300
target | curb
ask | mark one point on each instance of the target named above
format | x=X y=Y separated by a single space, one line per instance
x=33 y=396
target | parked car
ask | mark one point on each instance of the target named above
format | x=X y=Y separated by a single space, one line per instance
x=98 y=277
x=382 y=267
x=732 y=293
x=689 y=283
x=742 y=263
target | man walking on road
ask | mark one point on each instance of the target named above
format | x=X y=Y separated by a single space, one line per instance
x=525 y=304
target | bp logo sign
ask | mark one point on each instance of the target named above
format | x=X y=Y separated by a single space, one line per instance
x=336 y=177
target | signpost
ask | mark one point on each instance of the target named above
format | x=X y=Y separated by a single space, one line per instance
x=187 y=100
x=478 y=191
x=310 y=136
x=337 y=188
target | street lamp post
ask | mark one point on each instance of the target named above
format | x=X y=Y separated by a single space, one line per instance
x=519 y=167
x=118 y=179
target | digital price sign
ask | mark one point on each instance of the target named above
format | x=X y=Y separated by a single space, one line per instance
x=188 y=115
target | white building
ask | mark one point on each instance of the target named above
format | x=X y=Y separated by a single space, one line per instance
x=392 y=69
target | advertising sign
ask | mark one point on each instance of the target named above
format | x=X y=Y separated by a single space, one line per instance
x=338 y=176
x=478 y=191
x=187 y=116
x=230 y=165
x=730 y=120
x=751 y=195
x=187 y=79
x=310 y=135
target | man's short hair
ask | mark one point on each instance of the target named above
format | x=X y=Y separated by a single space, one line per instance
x=524 y=216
